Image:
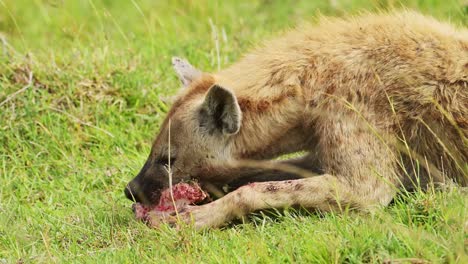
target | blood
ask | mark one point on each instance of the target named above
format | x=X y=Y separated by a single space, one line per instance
x=183 y=193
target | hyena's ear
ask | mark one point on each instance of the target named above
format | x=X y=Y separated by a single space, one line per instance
x=186 y=72
x=220 y=112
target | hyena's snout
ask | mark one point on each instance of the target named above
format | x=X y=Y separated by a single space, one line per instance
x=132 y=192
x=141 y=191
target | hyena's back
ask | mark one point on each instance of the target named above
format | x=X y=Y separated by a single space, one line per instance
x=405 y=73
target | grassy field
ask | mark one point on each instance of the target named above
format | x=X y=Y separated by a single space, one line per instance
x=82 y=88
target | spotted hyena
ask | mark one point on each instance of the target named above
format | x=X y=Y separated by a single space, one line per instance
x=378 y=103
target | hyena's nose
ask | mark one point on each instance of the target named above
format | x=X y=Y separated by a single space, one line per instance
x=131 y=194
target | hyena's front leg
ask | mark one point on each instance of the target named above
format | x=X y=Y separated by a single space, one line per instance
x=325 y=193
x=278 y=172
x=360 y=174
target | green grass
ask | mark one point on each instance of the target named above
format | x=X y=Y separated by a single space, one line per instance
x=71 y=141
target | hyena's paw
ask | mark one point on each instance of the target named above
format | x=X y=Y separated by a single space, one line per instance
x=199 y=217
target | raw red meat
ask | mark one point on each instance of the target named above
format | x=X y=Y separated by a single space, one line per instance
x=184 y=194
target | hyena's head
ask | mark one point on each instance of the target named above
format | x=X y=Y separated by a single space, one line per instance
x=194 y=136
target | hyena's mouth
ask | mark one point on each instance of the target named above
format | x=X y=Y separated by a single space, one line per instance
x=183 y=194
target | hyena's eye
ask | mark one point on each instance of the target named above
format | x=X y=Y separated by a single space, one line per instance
x=164 y=160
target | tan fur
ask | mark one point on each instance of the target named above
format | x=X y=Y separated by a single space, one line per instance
x=379 y=102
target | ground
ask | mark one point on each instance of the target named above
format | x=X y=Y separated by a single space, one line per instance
x=83 y=89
